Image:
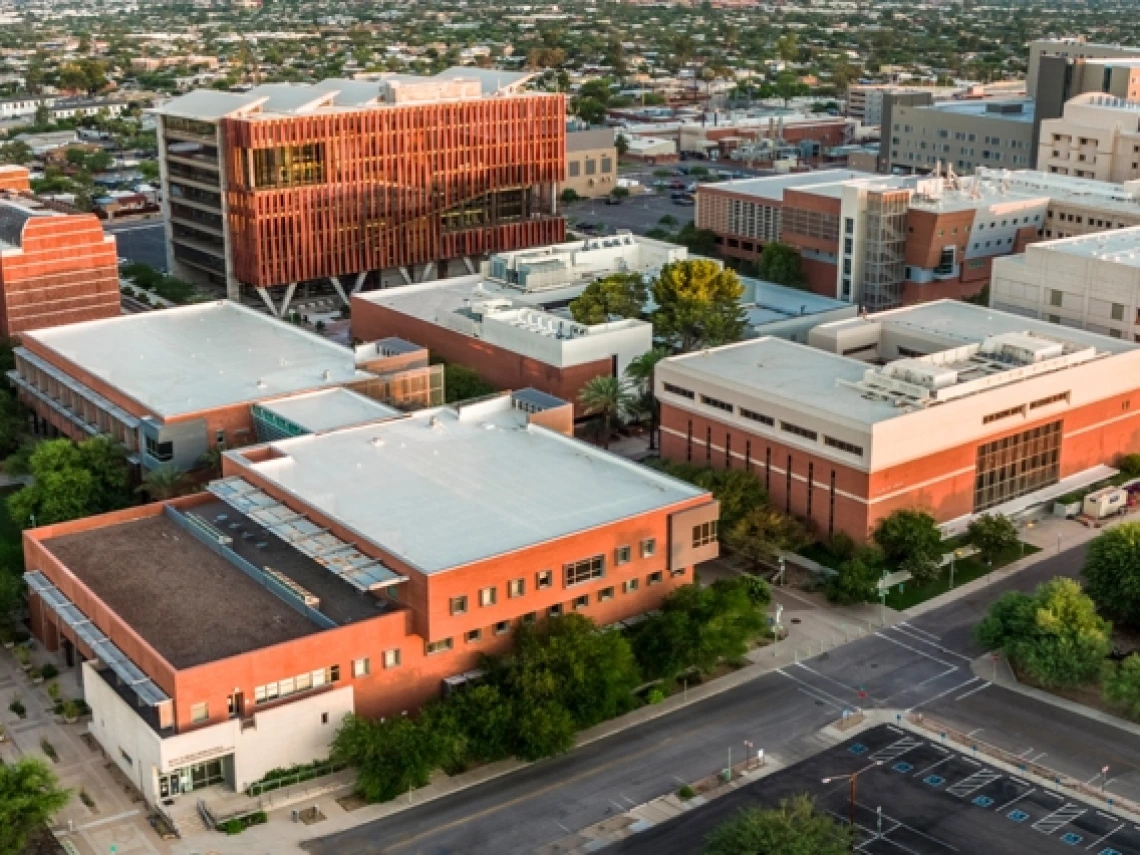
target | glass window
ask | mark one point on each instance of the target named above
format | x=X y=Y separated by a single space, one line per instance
x=433 y=647
x=488 y=597
x=574 y=168
x=459 y=605
x=605 y=594
x=653 y=578
x=622 y=555
x=607 y=164
x=304 y=682
x=502 y=627
x=629 y=586
x=591 y=167
x=544 y=579
x=320 y=677
x=161 y=451
x=391 y=658
x=473 y=636
x=704 y=534
x=360 y=667
x=648 y=547
x=334 y=673
x=555 y=610
x=516 y=588
x=585 y=570
x=286 y=687
x=581 y=602
x=200 y=712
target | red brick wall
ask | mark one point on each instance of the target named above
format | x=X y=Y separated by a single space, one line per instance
x=504 y=368
x=66 y=272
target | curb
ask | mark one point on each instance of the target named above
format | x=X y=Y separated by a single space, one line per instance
x=1008 y=680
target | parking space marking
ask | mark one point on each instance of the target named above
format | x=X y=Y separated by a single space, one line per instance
x=975 y=782
x=1110 y=852
x=1100 y=840
x=909 y=828
x=1060 y=817
x=1019 y=798
x=932 y=765
x=896 y=749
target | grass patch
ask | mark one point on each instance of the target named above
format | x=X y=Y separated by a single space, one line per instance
x=965 y=570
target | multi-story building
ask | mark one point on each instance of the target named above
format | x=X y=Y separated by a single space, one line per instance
x=878 y=241
x=360 y=570
x=746 y=214
x=591 y=163
x=56 y=265
x=1090 y=282
x=510 y=323
x=1069 y=51
x=1098 y=137
x=345 y=179
x=949 y=407
x=174 y=384
x=865 y=100
x=963 y=134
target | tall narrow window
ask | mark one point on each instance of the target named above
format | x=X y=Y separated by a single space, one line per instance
x=831 y=506
x=728 y=451
x=689 y=442
x=768 y=470
x=810 y=486
x=708 y=444
x=788 y=484
x=748 y=456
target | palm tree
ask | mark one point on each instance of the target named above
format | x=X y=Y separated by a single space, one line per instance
x=640 y=373
x=164 y=483
x=607 y=397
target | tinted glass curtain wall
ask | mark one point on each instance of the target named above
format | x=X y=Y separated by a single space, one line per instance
x=336 y=193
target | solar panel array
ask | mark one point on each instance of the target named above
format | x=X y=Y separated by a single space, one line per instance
x=362 y=572
x=100 y=645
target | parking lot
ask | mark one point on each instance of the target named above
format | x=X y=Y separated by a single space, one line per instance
x=638 y=213
x=142 y=240
x=933 y=801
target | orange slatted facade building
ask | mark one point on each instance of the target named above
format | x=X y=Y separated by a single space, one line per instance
x=291 y=184
x=56 y=267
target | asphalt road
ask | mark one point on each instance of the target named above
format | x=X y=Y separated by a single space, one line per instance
x=639 y=214
x=140 y=240
x=933 y=801
x=920 y=665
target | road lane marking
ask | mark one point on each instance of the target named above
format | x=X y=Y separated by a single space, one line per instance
x=1019 y=798
x=938 y=647
x=940 y=695
x=843 y=703
x=850 y=689
x=914 y=628
x=973 y=691
x=1102 y=839
x=945 y=673
x=921 y=653
x=820 y=699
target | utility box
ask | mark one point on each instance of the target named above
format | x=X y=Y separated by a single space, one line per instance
x=1105 y=502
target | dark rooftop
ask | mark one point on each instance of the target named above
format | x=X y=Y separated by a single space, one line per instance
x=188 y=603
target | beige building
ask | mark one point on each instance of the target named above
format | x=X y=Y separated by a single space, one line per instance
x=963 y=134
x=865 y=100
x=1097 y=137
x=1071 y=49
x=1090 y=282
x=591 y=163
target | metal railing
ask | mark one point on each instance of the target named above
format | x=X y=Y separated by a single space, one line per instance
x=259 y=788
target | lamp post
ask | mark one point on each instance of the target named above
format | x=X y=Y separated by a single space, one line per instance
x=1028 y=526
x=853 y=778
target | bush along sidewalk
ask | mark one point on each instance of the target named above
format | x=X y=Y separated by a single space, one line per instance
x=562 y=676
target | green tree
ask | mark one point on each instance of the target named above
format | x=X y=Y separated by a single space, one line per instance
x=992 y=534
x=781 y=263
x=1053 y=634
x=1120 y=685
x=698 y=304
x=620 y=295
x=164 y=483
x=640 y=373
x=569 y=195
x=16 y=152
x=590 y=110
x=99 y=161
x=29 y=796
x=738 y=492
x=1129 y=464
x=911 y=541
x=697 y=627
x=149 y=170
x=1112 y=572
x=793 y=828
x=621 y=143
x=857 y=578
x=462 y=383
x=391 y=757
x=606 y=398
x=72 y=480
x=763 y=533
x=620 y=192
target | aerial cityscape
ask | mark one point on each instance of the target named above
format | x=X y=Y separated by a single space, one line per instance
x=611 y=426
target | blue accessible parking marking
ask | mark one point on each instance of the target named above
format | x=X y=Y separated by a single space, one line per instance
x=1071 y=839
x=933 y=780
x=1110 y=852
x=902 y=767
x=858 y=748
x=983 y=801
x=1018 y=815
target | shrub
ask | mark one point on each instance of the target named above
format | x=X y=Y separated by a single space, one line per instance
x=570 y=195
x=16 y=707
x=685 y=793
x=232 y=826
x=49 y=671
x=992 y=534
x=1129 y=464
x=1120 y=685
x=655 y=696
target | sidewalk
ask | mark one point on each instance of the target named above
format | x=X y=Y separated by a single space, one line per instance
x=811 y=629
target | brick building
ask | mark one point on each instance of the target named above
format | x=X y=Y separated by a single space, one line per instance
x=359 y=570
x=949 y=407
x=510 y=322
x=172 y=385
x=339 y=181
x=56 y=264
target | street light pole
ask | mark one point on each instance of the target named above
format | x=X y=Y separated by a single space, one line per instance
x=853 y=778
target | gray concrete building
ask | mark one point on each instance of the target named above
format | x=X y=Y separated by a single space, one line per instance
x=963 y=134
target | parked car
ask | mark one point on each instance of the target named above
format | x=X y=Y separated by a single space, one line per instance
x=613 y=200
x=687 y=201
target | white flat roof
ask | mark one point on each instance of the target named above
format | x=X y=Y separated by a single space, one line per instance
x=329 y=409
x=773 y=186
x=1120 y=246
x=443 y=488
x=199 y=357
